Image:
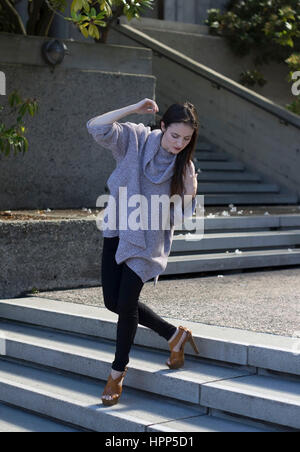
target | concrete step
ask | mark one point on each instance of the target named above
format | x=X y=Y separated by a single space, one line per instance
x=93 y=358
x=211 y=155
x=241 y=187
x=231 y=241
x=237 y=246
x=223 y=345
x=146 y=23
x=231 y=261
x=209 y=161
x=248 y=199
x=230 y=176
x=211 y=423
x=67 y=393
x=204 y=146
x=266 y=398
x=239 y=222
x=15 y=420
x=219 y=166
x=77 y=401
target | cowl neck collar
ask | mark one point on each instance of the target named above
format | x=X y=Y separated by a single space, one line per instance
x=158 y=164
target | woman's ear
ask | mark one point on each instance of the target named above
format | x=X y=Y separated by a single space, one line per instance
x=163 y=127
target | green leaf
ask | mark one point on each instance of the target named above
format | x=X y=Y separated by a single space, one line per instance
x=23 y=109
x=30 y=109
x=100 y=15
x=73 y=14
x=86 y=6
x=23 y=144
x=14 y=98
x=101 y=23
x=288 y=26
x=76 y=5
x=289 y=42
x=93 y=31
x=84 y=31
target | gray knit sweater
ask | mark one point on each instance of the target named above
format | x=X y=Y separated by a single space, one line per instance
x=144 y=167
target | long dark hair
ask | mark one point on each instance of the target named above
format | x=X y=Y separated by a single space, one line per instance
x=187 y=114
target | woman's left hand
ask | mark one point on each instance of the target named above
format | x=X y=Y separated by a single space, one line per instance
x=190 y=180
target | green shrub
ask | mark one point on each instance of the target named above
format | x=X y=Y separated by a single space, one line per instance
x=271 y=28
x=13 y=138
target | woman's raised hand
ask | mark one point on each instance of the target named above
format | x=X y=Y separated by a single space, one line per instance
x=146 y=106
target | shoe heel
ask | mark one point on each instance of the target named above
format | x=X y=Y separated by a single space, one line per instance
x=193 y=344
x=115 y=388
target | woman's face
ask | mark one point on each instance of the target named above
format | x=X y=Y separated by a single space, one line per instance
x=176 y=137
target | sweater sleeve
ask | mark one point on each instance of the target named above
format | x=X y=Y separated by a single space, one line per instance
x=114 y=136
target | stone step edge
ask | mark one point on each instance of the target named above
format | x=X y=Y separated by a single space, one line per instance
x=245 y=222
x=254 y=238
x=15 y=419
x=176 y=386
x=266 y=253
x=229 y=345
x=77 y=410
x=147 y=370
x=45 y=401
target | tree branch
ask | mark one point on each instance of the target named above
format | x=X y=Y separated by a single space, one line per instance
x=34 y=8
x=12 y=11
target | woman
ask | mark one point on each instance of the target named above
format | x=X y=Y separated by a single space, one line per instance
x=149 y=163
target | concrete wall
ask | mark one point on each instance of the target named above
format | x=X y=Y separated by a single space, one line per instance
x=214 y=52
x=64 y=167
x=49 y=255
x=246 y=125
x=179 y=31
x=190 y=11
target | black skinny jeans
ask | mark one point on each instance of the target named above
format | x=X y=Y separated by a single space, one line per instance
x=121 y=289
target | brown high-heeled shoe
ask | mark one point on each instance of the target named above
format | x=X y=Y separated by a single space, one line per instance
x=176 y=359
x=113 y=388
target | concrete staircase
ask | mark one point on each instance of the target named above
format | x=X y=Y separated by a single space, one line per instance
x=223 y=180
x=56 y=357
x=236 y=241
